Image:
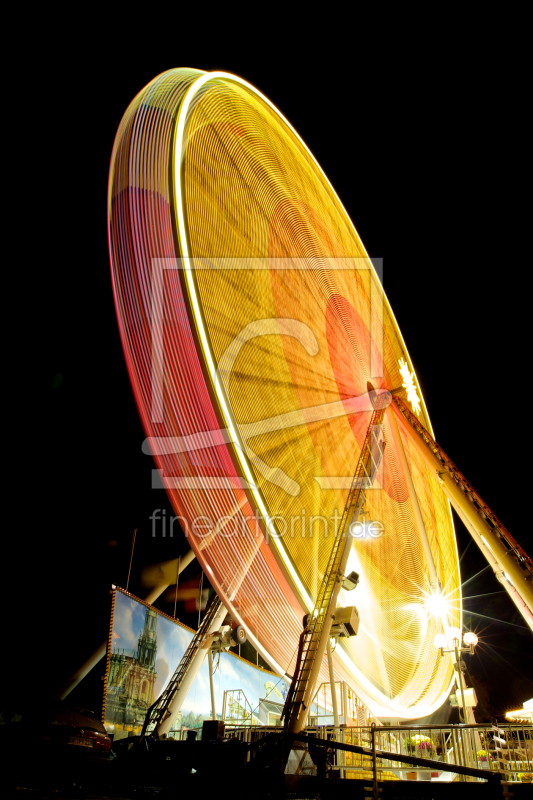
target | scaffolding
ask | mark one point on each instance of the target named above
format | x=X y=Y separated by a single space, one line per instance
x=237 y=709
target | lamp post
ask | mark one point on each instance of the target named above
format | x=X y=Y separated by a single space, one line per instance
x=453 y=637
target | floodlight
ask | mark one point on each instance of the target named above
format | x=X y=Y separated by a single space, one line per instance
x=470 y=639
x=350 y=581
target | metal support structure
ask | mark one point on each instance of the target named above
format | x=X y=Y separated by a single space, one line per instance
x=391 y=748
x=333 y=687
x=340 y=755
x=99 y=654
x=374 y=764
x=467 y=715
x=459 y=663
x=511 y=565
x=502 y=760
x=416 y=761
x=212 y=684
x=323 y=635
x=166 y=708
x=316 y=634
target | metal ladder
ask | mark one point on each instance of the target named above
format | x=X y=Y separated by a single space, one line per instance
x=157 y=711
x=365 y=472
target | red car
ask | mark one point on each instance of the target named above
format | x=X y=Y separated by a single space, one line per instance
x=77 y=730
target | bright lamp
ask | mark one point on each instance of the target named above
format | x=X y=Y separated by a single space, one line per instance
x=470 y=639
x=454 y=634
x=436 y=605
x=440 y=640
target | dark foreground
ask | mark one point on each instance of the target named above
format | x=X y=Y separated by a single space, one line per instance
x=220 y=773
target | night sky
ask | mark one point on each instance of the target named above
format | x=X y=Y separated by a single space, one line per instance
x=429 y=178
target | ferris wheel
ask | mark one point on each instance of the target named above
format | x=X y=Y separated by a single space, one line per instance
x=252 y=322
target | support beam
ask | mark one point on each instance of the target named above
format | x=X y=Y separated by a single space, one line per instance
x=500 y=559
x=99 y=654
x=298 y=724
x=198 y=659
x=212 y=684
x=341 y=756
x=468 y=714
x=315 y=636
x=332 y=685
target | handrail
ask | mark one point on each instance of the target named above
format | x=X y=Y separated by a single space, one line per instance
x=428 y=763
x=394 y=745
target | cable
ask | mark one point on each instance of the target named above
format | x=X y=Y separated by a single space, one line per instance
x=200 y=598
x=131 y=557
x=177 y=581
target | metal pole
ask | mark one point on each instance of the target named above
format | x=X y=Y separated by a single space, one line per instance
x=177 y=581
x=332 y=685
x=339 y=760
x=460 y=739
x=374 y=764
x=460 y=676
x=212 y=684
x=131 y=557
x=200 y=598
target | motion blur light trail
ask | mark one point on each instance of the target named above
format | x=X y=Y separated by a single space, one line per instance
x=251 y=320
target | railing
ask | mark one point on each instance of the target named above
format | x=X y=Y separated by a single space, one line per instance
x=429 y=751
x=237 y=709
x=351 y=709
x=471 y=746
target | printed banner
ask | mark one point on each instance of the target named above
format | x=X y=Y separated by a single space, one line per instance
x=146 y=646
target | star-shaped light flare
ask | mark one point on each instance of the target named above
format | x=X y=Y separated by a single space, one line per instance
x=409 y=384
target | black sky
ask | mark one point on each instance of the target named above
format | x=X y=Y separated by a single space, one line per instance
x=429 y=174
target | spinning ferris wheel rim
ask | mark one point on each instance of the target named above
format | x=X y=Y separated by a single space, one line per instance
x=178 y=151
x=187 y=258
x=235 y=447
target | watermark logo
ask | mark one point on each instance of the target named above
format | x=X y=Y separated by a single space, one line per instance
x=240 y=434
x=303 y=525
x=367 y=530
